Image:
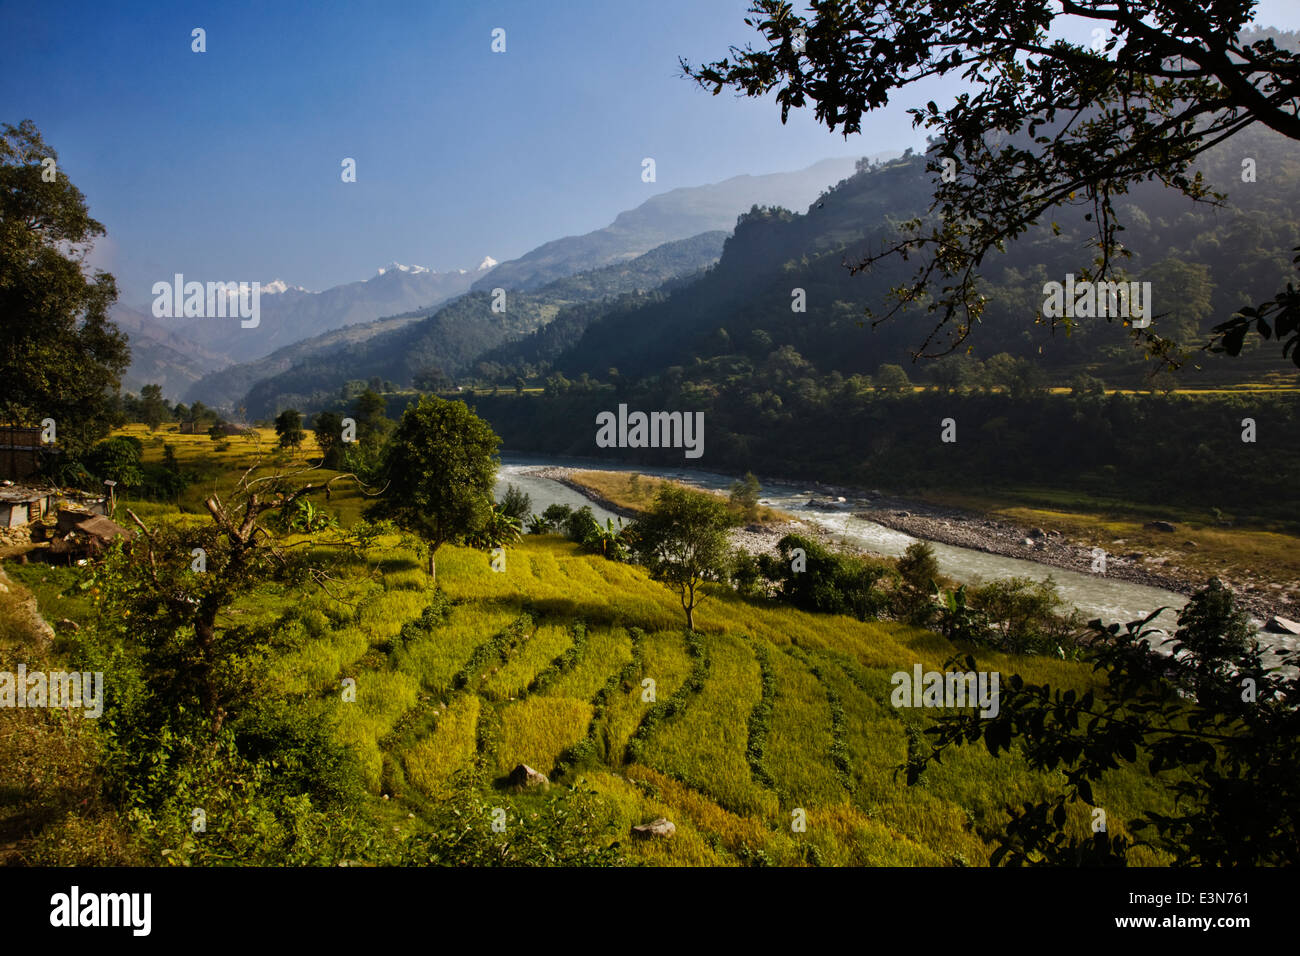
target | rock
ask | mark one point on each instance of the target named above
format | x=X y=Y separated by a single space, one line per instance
x=1027 y=542
x=1133 y=556
x=1053 y=534
x=1190 y=544
x=659 y=827
x=874 y=494
x=1280 y=625
x=902 y=514
x=1161 y=526
x=526 y=777
x=1036 y=532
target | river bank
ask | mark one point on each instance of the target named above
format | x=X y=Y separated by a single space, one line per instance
x=979 y=531
x=754 y=539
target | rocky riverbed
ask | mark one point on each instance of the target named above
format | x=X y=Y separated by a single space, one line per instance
x=966 y=529
x=1046 y=546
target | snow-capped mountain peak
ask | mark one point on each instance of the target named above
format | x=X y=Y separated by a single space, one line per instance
x=398 y=267
x=279 y=285
x=487 y=263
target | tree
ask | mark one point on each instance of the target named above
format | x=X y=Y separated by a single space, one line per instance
x=203 y=700
x=517 y=503
x=60 y=355
x=117 y=459
x=1050 y=124
x=892 y=378
x=814 y=578
x=744 y=495
x=440 y=467
x=951 y=372
x=919 y=569
x=1001 y=370
x=373 y=424
x=153 y=408
x=683 y=542
x=430 y=379
x=1218 y=636
x=288 y=426
x=1087 y=386
x=328 y=429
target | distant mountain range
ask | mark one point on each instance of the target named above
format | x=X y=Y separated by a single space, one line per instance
x=230 y=361
x=676 y=214
x=452 y=338
x=176 y=353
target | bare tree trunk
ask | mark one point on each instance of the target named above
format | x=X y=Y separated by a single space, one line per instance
x=433 y=565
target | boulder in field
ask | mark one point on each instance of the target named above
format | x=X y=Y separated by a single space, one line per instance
x=659 y=827
x=1162 y=526
x=1036 y=532
x=1280 y=625
x=525 y=777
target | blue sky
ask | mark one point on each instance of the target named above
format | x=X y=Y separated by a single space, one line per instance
x=225 y=165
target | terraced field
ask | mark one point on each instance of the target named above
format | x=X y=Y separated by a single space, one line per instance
x=767 y=736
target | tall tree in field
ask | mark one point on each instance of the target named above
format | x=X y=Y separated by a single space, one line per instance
x=329 y=435
x=288 y=426
x=440 y=468
x=683 y=541
x=60 y=355
x=153 y=407
x=1047 y=126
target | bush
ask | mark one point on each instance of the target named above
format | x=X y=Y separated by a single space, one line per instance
x=581 y=524
x=517 y=503
x=824 y=581
x=1025 y=616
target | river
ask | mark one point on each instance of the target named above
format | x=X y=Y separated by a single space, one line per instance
x=1093 y=594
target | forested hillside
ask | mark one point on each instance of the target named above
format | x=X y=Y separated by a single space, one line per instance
x=1204 y=263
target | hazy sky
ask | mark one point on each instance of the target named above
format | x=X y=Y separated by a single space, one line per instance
x=226 y=164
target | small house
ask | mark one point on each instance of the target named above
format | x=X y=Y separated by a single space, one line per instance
x=21 y=504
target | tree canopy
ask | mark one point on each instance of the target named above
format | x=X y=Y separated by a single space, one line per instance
x=440 y=467
x=60 y=355
x=683 y=542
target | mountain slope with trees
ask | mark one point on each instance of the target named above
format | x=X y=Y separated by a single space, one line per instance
x=451 y=339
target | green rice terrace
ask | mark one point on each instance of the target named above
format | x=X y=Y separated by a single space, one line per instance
x=765 y=736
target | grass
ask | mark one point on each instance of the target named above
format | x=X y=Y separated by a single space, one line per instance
x=636 y=492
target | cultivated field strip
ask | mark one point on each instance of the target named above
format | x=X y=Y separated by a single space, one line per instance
x=705 y=745
x=571 y=637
